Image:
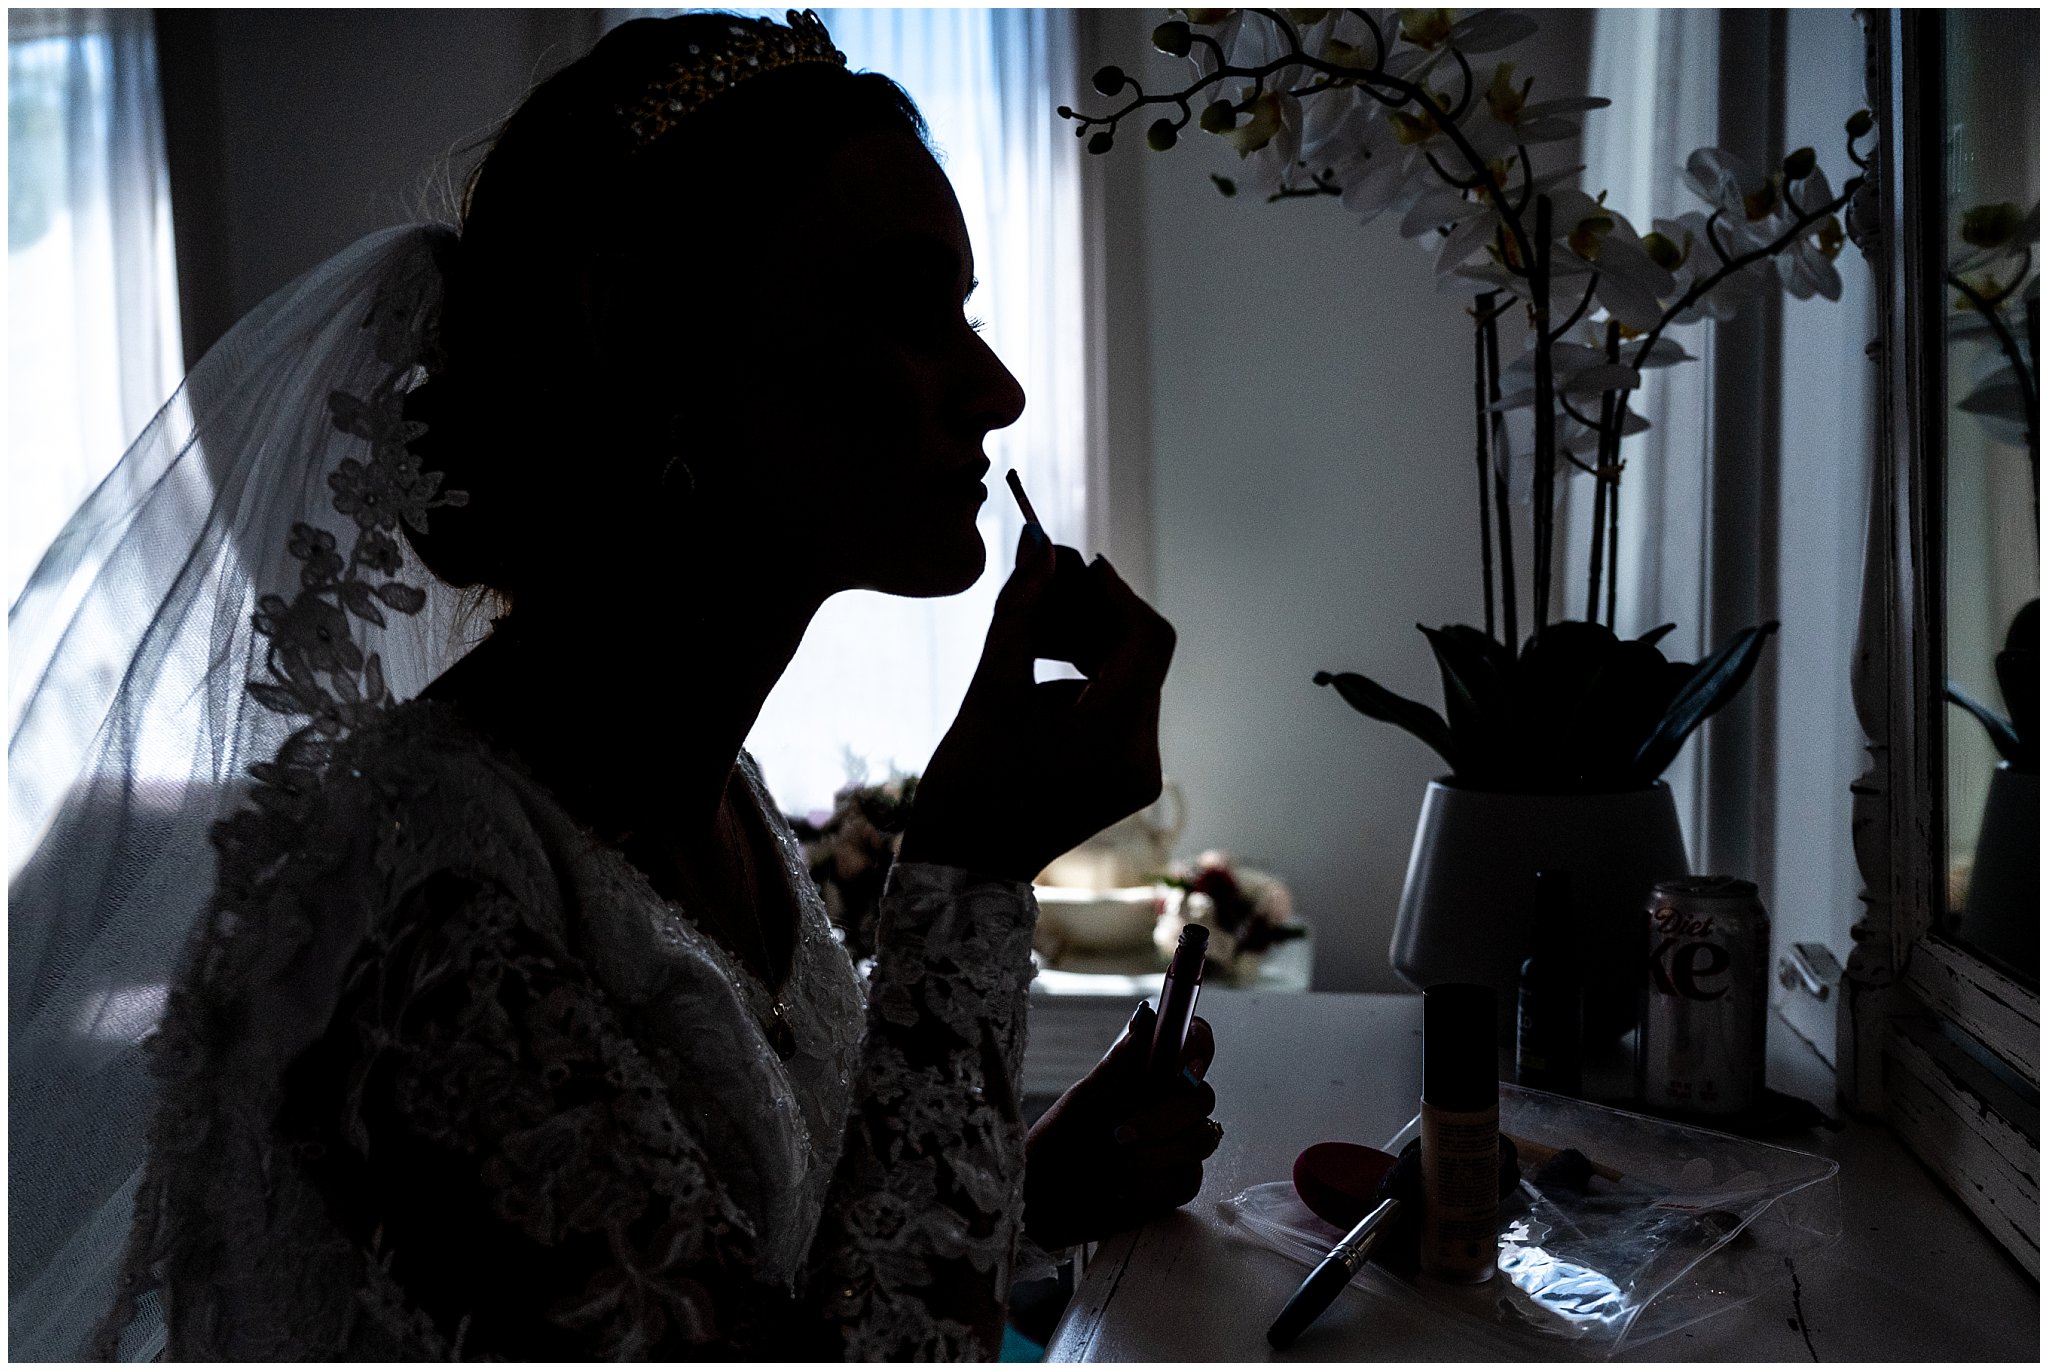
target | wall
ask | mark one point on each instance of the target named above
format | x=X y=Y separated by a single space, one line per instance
x=1827 y=407
x=1286 y=417
x=1307 y=401
x=294 y=132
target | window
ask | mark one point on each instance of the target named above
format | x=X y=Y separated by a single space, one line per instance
x=93 y=319
x=1746 y=500
x=878 y=679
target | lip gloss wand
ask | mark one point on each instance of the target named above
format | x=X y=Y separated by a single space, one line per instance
x=1177 y=995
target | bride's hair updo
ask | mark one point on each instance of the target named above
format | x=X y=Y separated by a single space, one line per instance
x=551 y=432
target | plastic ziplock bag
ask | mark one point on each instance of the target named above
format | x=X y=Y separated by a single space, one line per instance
x=1699 y=1223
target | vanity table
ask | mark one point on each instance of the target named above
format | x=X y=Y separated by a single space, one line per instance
x=1912 y=1277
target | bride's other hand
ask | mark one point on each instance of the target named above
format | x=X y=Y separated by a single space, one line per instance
x=1031 y=768
x=1117 y=1149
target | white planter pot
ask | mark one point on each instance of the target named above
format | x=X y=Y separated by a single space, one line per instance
x=2002 y=912
x=1467 y=906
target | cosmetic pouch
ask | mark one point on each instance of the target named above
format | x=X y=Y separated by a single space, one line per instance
x=1699 y=1223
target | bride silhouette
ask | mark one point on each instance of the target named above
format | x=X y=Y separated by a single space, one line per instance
x=504 y=1021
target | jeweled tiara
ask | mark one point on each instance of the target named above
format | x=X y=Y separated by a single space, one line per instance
x=751 y=48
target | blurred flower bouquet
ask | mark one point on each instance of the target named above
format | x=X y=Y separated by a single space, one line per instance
x=1386 y=112
x=1245 y=911
x=850 y=850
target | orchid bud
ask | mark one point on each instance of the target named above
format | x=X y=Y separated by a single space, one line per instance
x=1799 y=165
x=1173 y=38
x=1162 y=135
x=1859 y=123
x=1109 y=80
x=1220 y=117
x=1102 y=142
x=1065 y=111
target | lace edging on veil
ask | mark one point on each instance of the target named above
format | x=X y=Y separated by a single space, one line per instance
x=196 y=624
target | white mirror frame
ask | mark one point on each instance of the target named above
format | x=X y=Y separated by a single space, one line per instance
x=1934 y=1040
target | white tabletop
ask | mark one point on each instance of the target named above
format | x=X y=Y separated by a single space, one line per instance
x=1913 y=1276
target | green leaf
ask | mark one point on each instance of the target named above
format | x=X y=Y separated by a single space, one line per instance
x=1714 y=682
x=1375 y=701
x=2003 y=736
x=1655 y=635
x=1476 y=700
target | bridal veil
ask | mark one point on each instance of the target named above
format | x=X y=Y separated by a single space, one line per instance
x=232 y=598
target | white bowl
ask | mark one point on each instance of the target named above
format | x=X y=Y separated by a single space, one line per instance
x=1100 y=920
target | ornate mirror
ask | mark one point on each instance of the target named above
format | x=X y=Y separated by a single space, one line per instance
x=1942 y=1010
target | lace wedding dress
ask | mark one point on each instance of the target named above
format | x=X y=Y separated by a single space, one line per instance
x=446 y=1077
x=437 y=1074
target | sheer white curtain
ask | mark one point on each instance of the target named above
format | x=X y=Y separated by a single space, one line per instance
x=92 y=320
x=1661 y=70
x=878 y=679
x=1747 y=499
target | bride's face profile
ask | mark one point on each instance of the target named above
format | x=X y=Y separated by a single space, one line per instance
x=736 y=350
x=865 y=460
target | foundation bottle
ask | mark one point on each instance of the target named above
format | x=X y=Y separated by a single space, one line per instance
x=1460 y=1134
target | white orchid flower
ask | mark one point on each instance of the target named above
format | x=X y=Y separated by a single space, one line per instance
x=1375 y=186
x=1665 y=352
x=1428 y=36
x=1268 y=138
x=1505 y=119
x=1998 y=248
x=1632 y=286
x=1223 y=26
x=1696 y=259
x=1583 y=441
x=1567 y=360
x=1807 y=265
x=1326 y=121
x=1749 y=202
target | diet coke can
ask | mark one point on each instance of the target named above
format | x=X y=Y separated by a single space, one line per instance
x=1701 y=1046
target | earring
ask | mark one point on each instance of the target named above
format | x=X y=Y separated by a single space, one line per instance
x=677 y=464
x=675 y=461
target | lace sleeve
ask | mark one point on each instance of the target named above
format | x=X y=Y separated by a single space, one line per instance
x=540 y=1191
x=915 y=1251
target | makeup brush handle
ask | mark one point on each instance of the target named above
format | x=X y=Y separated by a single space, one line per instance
x=1333 y=1274
x=1308 y=1303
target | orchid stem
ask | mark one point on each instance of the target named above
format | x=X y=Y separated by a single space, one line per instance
x=1614 y=516
x=1489 y=333
x=1546 y=420
x=1596 y=549
x=1482 y=422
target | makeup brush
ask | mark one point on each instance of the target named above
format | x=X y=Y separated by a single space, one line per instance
x=1332 y=1274
x=1074 y=628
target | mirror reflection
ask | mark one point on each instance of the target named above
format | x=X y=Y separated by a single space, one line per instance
x=1992 y=479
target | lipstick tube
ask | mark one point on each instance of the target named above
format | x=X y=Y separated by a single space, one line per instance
x=1177 y=995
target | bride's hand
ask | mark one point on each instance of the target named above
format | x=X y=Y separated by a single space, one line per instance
x=1117 y=1149
x=1029 y=769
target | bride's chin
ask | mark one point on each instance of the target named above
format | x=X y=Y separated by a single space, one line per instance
x=947 y=566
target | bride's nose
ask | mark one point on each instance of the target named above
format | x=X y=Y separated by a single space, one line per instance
x=995 y=398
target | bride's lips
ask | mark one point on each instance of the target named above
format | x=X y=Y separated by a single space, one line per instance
x=964 y=484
